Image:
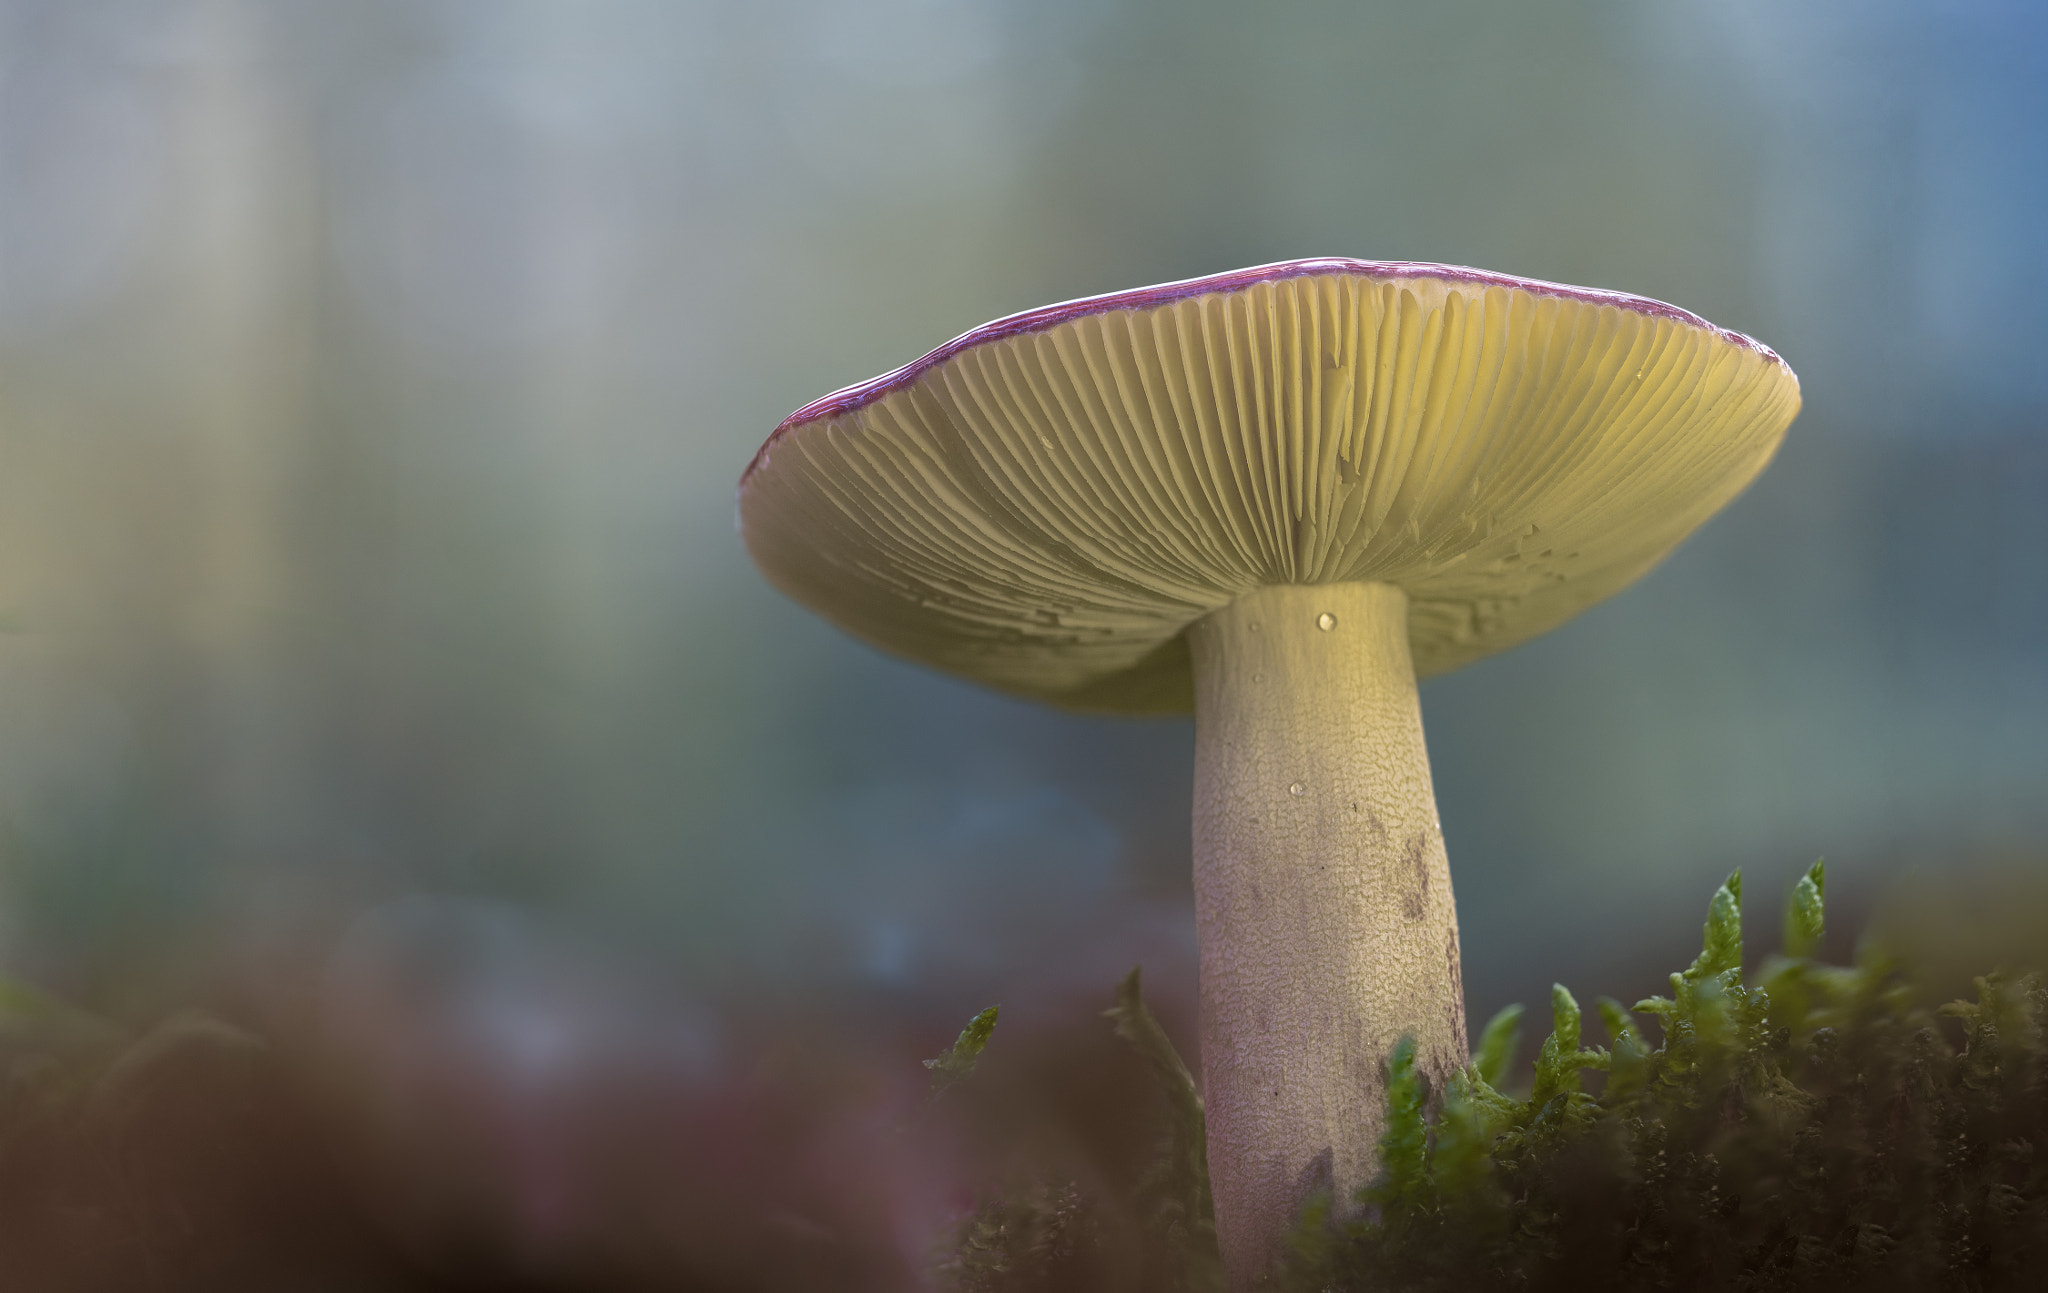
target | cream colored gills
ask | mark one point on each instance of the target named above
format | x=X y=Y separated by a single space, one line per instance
x=1062 y=503
x=1322 y=897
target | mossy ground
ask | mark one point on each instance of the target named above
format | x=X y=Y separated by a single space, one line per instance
x=1809 y=1128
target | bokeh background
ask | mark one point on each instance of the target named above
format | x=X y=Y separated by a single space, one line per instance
x=380 y=671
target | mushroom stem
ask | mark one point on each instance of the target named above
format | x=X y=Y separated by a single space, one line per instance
x=1322 y=899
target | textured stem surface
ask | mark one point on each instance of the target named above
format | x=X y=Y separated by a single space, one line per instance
x=1322 y=898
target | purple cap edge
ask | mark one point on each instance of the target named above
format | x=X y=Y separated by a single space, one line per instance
x=1047 y=316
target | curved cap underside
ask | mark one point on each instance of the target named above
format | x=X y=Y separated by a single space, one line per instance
x=1046 y=503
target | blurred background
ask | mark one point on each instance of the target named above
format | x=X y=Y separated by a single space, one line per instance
x=380 y=672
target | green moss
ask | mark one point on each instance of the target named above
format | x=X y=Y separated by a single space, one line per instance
x=958 y=1060
x=1159 y=1236
x=1810 y=1128
x=1175 y=1209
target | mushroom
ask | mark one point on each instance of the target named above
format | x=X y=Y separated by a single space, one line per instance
x=1277 y=496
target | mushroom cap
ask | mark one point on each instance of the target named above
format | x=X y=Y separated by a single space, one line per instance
x=1043 y=504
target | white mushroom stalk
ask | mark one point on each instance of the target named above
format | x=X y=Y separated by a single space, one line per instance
x=1322 y=896
x=1277 y=497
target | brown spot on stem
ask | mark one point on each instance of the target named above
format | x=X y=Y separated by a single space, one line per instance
x=1417 y=899
x=1318 y=1174
x=1454 y=1007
